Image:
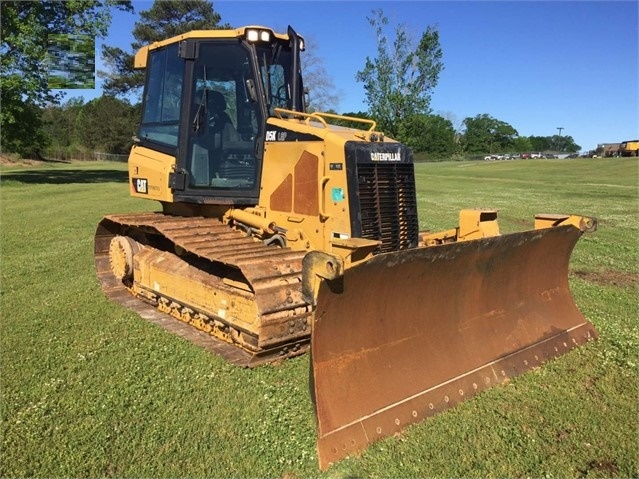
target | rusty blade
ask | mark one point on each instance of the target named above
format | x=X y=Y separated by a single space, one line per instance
x=413 y=333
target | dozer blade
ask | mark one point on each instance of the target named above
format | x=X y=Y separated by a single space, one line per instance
x=412 y=333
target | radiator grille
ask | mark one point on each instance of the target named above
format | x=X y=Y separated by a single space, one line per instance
x=388 y=204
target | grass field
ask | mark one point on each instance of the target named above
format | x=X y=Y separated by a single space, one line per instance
x=89 y=389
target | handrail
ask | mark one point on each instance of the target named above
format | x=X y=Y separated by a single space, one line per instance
x=373 y=123
x=309 y=116
x=319 y=116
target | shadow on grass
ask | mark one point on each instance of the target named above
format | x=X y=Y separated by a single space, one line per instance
x=61 y=177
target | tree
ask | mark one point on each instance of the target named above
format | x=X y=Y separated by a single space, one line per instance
x=522 y=144
x=431 y=134
x=59 y=123
x=323 y=96
x=485 y=134
x=351 y=123
x=400 y=80
x=567 y=144
x=165 y=19
x=540 y=143
x=27 y=27
x=554 y=143
x=107 y=124
x=21 y=130
x=564 y=143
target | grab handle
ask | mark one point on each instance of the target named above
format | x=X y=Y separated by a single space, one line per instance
x=322 y=184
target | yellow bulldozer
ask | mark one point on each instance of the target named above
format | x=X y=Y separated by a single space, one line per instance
x=629 y=148
x=281 y=232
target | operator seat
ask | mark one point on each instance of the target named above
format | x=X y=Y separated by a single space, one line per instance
x=219 y=120
x=223 y=135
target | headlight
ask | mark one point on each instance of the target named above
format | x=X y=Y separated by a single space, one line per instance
x=258 y=35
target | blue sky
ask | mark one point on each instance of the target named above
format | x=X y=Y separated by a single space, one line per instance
x=536 y=65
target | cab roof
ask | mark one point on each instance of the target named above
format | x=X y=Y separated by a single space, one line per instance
x=143 y=53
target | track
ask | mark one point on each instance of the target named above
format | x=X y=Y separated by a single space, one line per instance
x=269 y=276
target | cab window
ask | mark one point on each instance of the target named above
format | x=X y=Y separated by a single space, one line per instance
x=224 y=122
x=163 y=97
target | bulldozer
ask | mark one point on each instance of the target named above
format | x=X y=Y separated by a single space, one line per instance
x=281 y=231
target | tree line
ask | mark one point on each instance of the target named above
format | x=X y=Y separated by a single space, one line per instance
x=107 y=124
x=436 y=137
x=398 y=84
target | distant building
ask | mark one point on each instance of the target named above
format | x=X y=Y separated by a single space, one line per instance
x=609 y=149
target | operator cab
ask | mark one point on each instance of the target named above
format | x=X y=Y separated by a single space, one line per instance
x=206 y=102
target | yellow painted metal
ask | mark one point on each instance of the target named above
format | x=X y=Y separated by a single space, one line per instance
x=202 y=271
x=320 y=117
x=319 y=267
x=121 y=253
x=354 y=250
x=141 y=56
x=478 y=223
x=250 y=218
x=473 y=224
x=149 y=174
x=629 y=148
x=290 y=185
x=584 y=223
x=166 y=275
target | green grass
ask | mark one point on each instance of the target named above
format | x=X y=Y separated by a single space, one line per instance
x=88 y=389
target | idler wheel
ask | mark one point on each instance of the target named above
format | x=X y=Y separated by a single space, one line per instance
x=121 y=252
